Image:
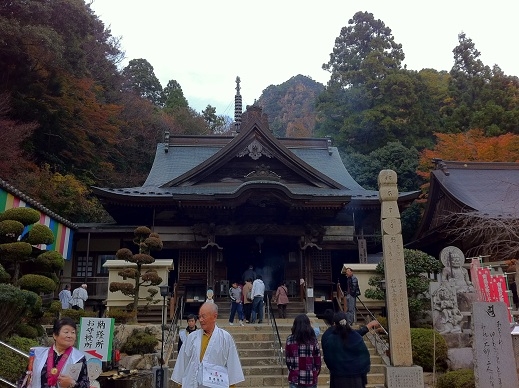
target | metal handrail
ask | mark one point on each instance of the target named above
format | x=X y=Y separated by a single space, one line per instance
x=7 y=382
x=278 y=347
x=381 y=345
x=16 y=351
x=174 y=328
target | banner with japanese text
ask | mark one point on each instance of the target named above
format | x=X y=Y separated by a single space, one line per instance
x=96 y=337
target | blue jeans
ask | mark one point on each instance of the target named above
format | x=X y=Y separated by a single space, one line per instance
x=292 y=385
x=235 y=306
x=257 y=309
x=350 y=313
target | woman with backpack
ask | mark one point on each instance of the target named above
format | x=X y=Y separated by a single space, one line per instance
x=281 y=299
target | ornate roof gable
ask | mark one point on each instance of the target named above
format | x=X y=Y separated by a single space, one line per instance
x=256 y=141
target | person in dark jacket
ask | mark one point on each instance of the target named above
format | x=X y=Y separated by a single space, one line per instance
x=345 y=354
x=362 y=330
x=191 y=327
x=350 y=287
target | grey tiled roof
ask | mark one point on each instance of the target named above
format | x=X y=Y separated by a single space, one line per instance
x=491 y=189
x=180 y=159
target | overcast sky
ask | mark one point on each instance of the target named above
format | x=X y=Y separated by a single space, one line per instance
x=205 y=44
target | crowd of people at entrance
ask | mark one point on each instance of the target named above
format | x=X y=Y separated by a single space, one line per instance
x=207 y=354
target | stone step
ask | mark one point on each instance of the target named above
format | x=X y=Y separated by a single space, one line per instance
x=280 y=380
x=261 y=362
x=273 y=361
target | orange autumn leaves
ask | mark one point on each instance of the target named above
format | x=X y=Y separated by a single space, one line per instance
x=472 y=145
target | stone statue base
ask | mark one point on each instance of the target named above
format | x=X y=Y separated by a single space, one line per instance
x=404 y=376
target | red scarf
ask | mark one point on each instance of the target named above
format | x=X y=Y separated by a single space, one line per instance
x=52 y=371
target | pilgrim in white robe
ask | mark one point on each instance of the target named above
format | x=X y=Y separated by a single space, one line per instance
x=221 y=351
x=40 y=358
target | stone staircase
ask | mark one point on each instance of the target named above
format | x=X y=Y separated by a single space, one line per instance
x=261 y=362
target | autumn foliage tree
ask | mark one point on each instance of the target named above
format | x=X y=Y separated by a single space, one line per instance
x=146 y=242
x=468 y=146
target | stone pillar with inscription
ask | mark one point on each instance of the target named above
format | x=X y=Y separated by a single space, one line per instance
x=494 y=359
x=402 y=373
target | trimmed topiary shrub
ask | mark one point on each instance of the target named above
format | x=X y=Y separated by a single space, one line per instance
x=140 y=342
x=10 y=230
x=425 y=353
x=4 y=276
x=462 y=378
x=39 y=234
x=13 y=365
x=26 y=330
x=25 y=215
x=37 y=283
x=55 y=307
x=76 y=315
x=15 y=304
x=121 y=316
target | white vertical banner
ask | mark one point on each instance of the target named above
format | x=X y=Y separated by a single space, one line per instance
x=96 y=337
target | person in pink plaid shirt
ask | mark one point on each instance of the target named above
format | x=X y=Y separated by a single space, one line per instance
x=302 y=354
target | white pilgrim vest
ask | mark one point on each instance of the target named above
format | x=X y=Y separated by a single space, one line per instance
x=221 y=350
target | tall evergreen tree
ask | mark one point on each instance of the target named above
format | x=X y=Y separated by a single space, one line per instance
x=140 y=78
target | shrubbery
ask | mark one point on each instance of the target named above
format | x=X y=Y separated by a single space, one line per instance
x=425 y=353
x=463 y=378
x=140 y=342
x=121 y=316
x=13 y=365
x=26 y=330
x=76 y=315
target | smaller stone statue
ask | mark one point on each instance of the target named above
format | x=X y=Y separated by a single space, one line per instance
x=210 y=295
x=454 y=273
x=446 y=315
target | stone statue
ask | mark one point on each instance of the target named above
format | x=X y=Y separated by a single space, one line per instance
x=446 y=315
x=454 y=273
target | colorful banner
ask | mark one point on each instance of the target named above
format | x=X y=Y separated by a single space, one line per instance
x=475 y=264
x=484 y=280
x=502 y=292
x=62 y=234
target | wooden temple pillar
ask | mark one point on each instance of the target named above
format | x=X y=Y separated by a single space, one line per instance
x=212 y=249
x=306 y=250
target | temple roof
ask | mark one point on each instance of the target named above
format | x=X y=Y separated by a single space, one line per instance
x=490 y=189
x=487 y=189
x=198 y=167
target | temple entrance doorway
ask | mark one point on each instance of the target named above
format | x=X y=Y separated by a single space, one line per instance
x=269 y=255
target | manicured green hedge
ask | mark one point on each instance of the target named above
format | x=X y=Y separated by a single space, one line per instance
x=13 y=365
x=425 y=353
x=121 y=316
x=463 y=378
x=77 y=314
x=140 y=342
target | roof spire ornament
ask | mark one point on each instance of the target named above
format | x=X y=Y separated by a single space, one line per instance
x=237 y=107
